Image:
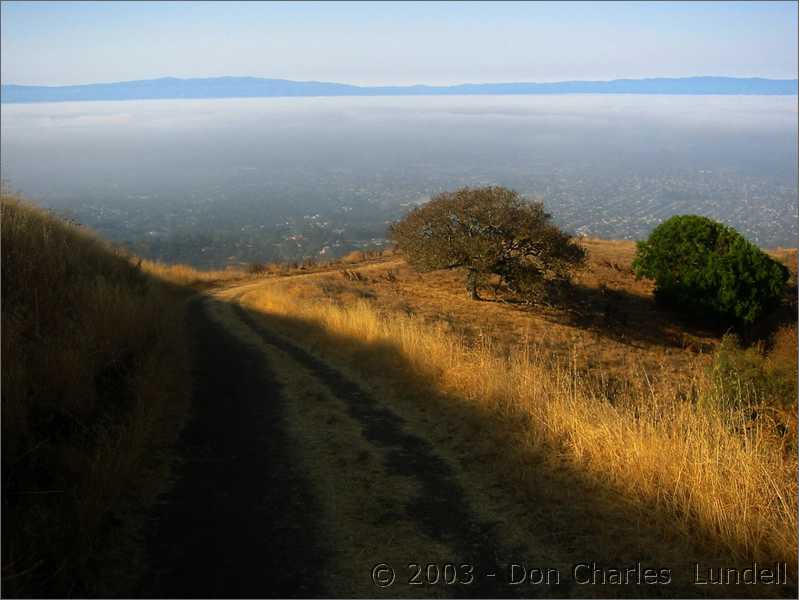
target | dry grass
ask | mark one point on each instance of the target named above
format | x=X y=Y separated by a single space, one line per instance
x=95 y=382
x=360 y=256
x=676 y=448
x=608 y=319
x=341 y=465
x=189 y=276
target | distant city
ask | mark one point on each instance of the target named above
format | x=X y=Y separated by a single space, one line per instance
x=237 y=223
x=229 y=182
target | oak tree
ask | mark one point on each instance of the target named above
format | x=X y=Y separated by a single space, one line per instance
x=488 y=230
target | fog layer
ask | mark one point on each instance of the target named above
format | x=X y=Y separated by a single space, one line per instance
x=152 y=173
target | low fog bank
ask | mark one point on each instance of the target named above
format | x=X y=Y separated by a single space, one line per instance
x=215 y=181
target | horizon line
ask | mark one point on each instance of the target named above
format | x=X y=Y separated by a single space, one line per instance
x=405 y=85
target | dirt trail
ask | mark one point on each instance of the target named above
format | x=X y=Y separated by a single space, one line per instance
x=242 y=519
x=298 y=479
x=239 y=521
x=439 y=510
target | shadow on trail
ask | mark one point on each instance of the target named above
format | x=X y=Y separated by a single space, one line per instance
x=239 y=521
x=440 y=508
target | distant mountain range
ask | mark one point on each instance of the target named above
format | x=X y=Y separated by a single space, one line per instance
x=253 y=87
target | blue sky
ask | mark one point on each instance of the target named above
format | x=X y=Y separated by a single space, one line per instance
x=395 y=43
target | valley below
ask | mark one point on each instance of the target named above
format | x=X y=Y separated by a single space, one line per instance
x=399 y=299
x=354 y=428
x=387 y=479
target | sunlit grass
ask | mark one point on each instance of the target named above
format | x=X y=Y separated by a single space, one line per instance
x=186 y=275
x=681 y=451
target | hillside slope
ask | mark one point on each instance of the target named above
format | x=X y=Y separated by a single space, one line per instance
x=618 y=431
x=255 y=87
x=359 y=415
x=95 y=380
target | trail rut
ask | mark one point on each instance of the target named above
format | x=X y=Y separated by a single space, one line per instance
x=439 y=509
x=239 y=520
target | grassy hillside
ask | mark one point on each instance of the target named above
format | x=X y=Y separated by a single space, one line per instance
x=652 y=414
x=605 y=384
x=95 y=380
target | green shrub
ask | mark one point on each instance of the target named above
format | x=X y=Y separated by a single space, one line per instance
x=709 y=268
x=750 y=376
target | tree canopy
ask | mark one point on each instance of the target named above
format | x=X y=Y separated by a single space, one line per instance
x=704 y=266
x=488 y=230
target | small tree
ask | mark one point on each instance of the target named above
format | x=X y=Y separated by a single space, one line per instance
x=487 y=230
x=701 y=265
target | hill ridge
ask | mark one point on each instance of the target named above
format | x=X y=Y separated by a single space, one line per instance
x=257 y=87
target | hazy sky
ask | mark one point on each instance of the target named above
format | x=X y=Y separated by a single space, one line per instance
x=402 y=43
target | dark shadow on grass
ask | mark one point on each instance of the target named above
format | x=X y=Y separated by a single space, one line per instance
x=236 y=546
x=67 y=531
x=618 y=315
x=85 y=457
x=440 y=509
x=642 y=322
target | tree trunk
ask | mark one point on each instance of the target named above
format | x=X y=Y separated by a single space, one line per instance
x=471 y=285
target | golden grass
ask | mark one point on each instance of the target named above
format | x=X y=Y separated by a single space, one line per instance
x=189 y=276
x=95 y=381
x=637 y=330
x=608 y=318
x=701 y=467
x=341 y=465
x=185 y=275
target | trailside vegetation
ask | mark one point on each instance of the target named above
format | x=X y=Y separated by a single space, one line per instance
x=96 y=381
x=489 y=230
x=702 y=266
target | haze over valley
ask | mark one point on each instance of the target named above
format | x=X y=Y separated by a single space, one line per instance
x=399 y=299
x=215 y=182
